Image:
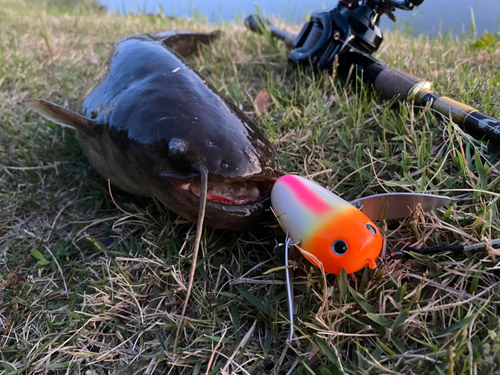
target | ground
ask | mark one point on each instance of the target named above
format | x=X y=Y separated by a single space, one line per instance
x=92 y=279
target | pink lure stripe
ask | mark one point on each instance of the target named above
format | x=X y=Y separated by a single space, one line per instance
x=305 y=195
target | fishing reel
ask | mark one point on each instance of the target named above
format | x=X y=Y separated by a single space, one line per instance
x=351 y=25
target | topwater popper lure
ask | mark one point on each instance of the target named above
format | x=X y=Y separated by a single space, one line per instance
x=335 y=234
x=331 y=231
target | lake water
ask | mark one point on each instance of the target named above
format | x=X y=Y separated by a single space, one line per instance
x=431 y=17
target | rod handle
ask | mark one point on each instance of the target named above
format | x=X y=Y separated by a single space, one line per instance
x=390 y=83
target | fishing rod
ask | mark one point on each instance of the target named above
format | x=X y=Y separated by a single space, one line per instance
x=347 y=35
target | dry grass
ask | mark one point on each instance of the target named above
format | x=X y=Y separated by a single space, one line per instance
x=87 y=287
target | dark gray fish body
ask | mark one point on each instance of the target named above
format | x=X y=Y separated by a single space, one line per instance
x=151 y=122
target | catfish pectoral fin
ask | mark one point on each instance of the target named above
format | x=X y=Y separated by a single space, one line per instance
x=60 y=115
x=185 y=42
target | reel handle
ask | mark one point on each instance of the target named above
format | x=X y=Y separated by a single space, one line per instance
x=405 y=4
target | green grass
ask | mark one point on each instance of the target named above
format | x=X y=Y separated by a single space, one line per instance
x=90 y=286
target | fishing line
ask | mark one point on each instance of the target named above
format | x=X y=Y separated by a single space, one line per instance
x=396 y=72
x=199 y=230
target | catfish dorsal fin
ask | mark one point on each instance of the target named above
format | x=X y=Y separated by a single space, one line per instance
x=60 y=115
x=184 y=42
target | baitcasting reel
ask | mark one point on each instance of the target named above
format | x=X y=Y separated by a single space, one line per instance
x=325 y=37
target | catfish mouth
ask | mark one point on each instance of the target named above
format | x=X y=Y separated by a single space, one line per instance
x=229 y=192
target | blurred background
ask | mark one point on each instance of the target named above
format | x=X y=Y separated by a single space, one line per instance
x=432 y=17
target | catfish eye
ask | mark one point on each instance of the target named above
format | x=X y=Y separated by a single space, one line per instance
x=371 y=228
x=176 y=147
x=339 y=247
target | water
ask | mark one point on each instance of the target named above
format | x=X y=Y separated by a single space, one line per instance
x=432 y=17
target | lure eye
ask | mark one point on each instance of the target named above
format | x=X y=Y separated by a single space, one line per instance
x=339 y=247
x=371 y=228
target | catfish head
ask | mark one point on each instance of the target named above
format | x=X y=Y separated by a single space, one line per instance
x=151 y=123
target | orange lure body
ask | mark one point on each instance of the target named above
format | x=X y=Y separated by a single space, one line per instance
x=333 y=231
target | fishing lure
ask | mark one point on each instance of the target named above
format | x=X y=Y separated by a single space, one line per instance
x=331 y=230
x=336 y=233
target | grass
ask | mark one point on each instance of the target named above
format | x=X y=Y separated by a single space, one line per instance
x=93 y=285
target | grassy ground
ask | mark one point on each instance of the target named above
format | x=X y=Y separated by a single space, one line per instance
x=90 y=286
